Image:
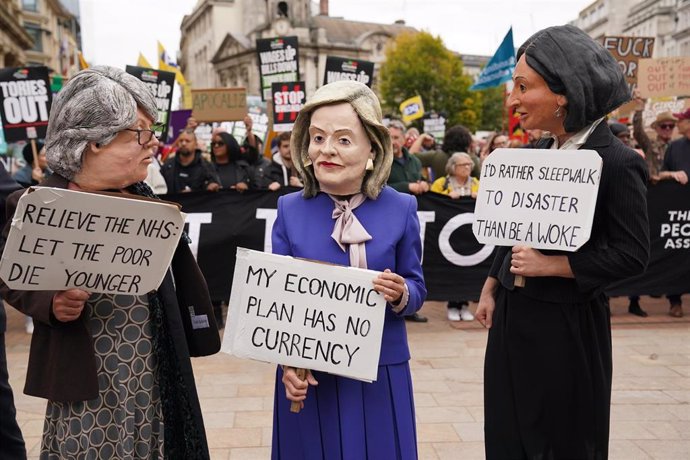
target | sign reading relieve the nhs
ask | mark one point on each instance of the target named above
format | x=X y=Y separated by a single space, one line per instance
x=541 y=198
x=63 y=239
x=304 y=314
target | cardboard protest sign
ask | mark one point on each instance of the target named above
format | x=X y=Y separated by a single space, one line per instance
x=25 y=100
x=412 y=109
x=435 y=125
x=338 y=68
x=161 y=85
x=219 y=104
x=305 y=314
x=288 y=99
x=657 y=105
x=278 y=62
x=62 y=239
x=664 y=77
x=537 y=197
x=628 y=51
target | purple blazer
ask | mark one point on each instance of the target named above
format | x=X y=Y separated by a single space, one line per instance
x=303 y=229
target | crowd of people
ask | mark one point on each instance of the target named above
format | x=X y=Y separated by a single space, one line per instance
x=116 y=370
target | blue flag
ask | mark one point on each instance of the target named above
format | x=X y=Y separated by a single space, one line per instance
x=500 y=68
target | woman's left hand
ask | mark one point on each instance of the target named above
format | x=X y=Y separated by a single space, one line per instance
x=391 y=285
x=527 y=261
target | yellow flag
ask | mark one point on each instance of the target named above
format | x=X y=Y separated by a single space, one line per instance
x=82 y=62
x=142 y=62
x=165 y=63
x=412 y=109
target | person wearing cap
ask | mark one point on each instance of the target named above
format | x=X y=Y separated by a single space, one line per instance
x=677 y=163
x=677 y=158
x=548 y=364
x=654 y=149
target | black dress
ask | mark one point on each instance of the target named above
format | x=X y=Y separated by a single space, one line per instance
x=548 y=365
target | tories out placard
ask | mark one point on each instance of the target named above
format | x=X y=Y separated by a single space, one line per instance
x=288 y=99
x=537 y=197
x=278 y=62
x=62 y=239
x=160 y=84
x=305 y=314
x=25 y=100
x=338 y=68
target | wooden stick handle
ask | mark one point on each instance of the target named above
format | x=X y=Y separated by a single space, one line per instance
x=519 y=281
x=35 y=152
x=296 y=406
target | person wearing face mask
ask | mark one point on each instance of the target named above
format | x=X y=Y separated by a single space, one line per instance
x=346 y=215
x=548 y=363
x=115 y=369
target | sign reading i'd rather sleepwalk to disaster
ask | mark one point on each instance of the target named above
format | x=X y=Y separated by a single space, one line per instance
x=160 y=84
x=305 y=314
x=63 y=239
x=288 y=99
x=541 y=198
x=25 y=100
x=338 y=68
x=278 y=62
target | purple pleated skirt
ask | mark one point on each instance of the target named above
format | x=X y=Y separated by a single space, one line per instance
x=345 y=419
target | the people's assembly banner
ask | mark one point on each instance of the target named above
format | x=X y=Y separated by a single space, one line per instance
x=25 y=100
x=160 y=84
x=455 y=264
x=338 y=68
x=278 y=62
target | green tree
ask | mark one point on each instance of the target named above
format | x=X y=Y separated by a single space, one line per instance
x=492 y=109
x=420 y=64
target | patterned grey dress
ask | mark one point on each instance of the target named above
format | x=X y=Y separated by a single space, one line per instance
x=125 y=421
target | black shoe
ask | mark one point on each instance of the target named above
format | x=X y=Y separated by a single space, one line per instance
x=635 y=309
x=416 y=318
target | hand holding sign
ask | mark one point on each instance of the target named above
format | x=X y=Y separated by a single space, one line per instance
x=297 y=383
x=68 y=305
x=535 y=198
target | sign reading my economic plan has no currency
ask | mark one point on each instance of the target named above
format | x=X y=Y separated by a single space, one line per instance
x=62 y=239
x=305 y=314
x=544 y=199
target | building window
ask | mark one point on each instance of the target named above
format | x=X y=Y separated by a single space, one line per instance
x=30 y=5
x=35 y=32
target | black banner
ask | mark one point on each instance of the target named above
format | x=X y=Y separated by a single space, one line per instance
x=25 y=100
x=288 y=99
x=668 y=272
x=278 y=62
x=455 y=264
x=160 y=84
x=338 y=68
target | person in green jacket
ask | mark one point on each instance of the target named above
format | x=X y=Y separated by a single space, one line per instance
x=406 y=171
x=457 y=139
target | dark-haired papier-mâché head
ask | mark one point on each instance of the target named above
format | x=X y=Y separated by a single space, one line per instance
x=368 y=109
x=579 y=68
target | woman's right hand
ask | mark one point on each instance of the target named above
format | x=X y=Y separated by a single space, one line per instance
x=487 y=303
x=296 y=388
x=68 y=305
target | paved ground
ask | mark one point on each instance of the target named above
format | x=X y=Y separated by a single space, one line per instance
x=650 y=408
